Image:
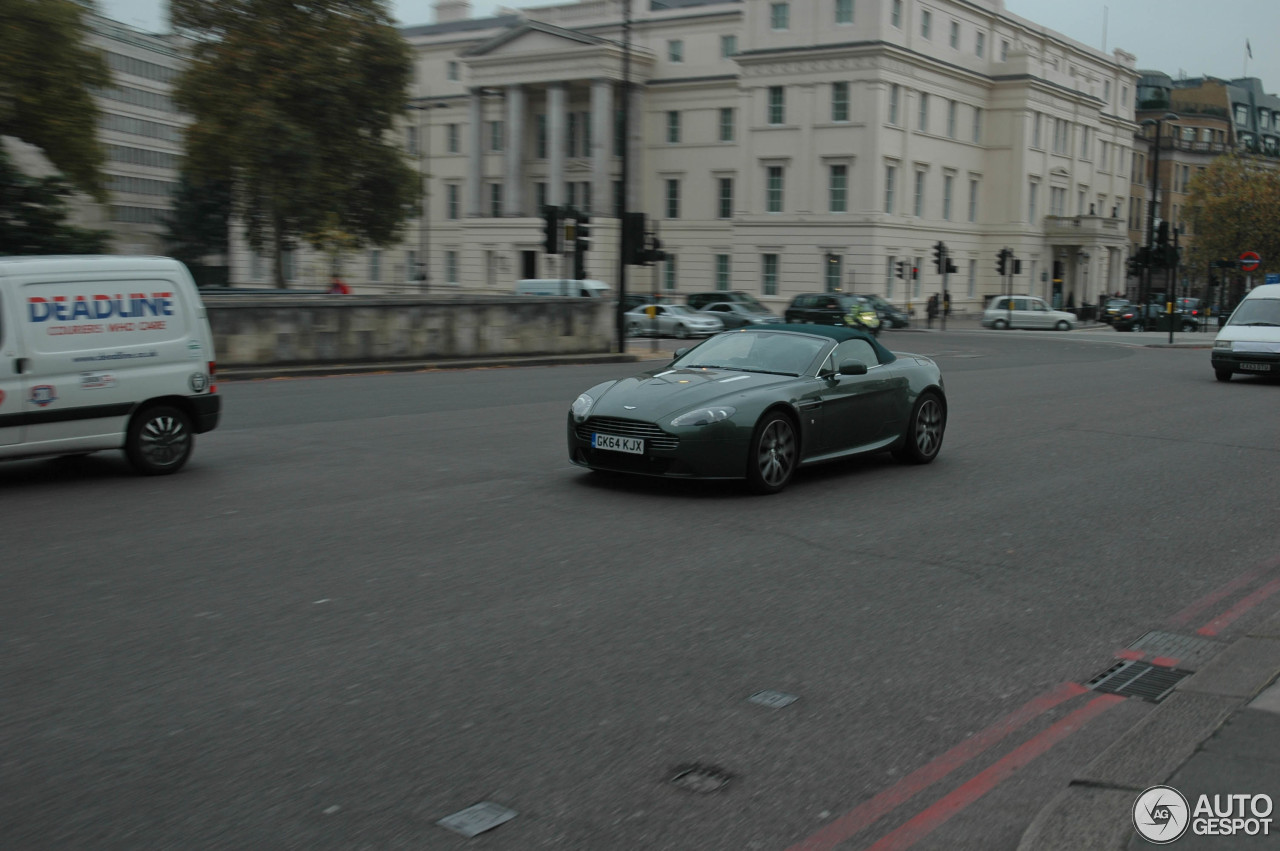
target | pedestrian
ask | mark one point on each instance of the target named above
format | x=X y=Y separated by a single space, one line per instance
x=946 y=302
x=339 y=287
x=931 y=308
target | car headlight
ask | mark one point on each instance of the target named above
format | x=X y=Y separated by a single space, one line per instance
x=704 y=416
x=1222 y=345
x=581 y=407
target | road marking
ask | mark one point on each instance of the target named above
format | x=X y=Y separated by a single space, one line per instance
x=1184 y=617
x=1230 y=615
x=863 y=815
x=930 y=819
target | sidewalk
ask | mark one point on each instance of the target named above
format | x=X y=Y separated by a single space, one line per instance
x=1217 y=734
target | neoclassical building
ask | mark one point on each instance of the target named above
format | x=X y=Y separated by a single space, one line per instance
x=777 y=147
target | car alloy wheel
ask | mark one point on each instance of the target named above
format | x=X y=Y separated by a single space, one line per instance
x=925 y=429
x=773 y=455
x=159 y=441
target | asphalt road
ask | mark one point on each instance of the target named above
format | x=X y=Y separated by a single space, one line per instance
x=371 y=602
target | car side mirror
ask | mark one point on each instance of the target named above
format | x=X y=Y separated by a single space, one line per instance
x=853 y=367
x=679 y=353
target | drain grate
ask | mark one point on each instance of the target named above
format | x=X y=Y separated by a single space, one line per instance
x=1138 y=679
x=700 y=778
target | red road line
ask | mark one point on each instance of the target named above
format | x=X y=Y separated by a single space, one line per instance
x=1184 y=617
x=868 y=812
x=1129 y=655
x=930 y=819
x=1225 y=619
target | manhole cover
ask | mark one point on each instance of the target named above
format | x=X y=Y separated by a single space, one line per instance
x=700 y=778
x=477 y=818
x=1138 y=679
x=773 y=699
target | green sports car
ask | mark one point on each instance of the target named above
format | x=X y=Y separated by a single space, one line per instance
x=758 y=403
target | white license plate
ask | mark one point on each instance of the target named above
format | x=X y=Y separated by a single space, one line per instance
x=1256 y=367
x=634 y=445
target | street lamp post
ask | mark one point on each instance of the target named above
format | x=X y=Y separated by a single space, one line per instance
x=423 y=108
x=1155 y=191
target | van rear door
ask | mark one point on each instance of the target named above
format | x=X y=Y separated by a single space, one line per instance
x=12 y=385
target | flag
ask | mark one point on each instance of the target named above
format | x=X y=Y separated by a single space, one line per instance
x=1248 y=49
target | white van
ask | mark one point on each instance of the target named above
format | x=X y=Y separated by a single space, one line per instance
x=563 y=286
x=104 y=353
x=1250 y=341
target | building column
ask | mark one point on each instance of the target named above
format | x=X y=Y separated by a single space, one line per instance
x=475 y=163
x=513 y=203
x=557 y=119
x=601 y=147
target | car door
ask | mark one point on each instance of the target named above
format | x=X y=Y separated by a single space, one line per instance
x=727 y=315
x=12 y=383
x=854 y=407
x=1038 y=315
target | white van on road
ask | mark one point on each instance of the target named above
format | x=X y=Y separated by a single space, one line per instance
x=1250 y=341
x=104 y=352
x=563 y=286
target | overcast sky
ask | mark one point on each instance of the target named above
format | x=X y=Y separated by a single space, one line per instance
x=1175 y=36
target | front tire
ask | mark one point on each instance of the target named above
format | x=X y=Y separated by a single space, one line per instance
x=925 y=428
x=999 y=325
x=159 y=440
x=682 y=332
x=1063 y=326
x=773 y=454
x=1222 y=374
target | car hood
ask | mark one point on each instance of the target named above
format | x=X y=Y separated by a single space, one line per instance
x=655 y=395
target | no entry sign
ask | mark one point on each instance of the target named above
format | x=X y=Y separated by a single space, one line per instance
x=1249 y=261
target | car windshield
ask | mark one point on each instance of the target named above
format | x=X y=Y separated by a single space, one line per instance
x=678 y=308
x=778 y=353
x=1257 y=311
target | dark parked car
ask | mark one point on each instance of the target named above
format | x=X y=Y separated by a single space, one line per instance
x=739 y=314
x=890 y=316
x=1152 y=317
x=741 y=406
x=1113 y=307
x=832 y=309
x=699 y=301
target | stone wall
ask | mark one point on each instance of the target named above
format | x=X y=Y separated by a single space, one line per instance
x=270 y=329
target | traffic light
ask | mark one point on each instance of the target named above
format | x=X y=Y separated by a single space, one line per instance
x=1162 y=234
x=551 y=217
x=902 y=271
x=633 y=226
x=939 y=256
x=951 y=266
x=1002 y=261
x=915 y=273
x=581 y=243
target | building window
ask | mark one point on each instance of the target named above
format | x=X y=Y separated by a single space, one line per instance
x=453 y=139
x=1034 y=191
x=1004 y=51
x=572 y=134
x=844 y=11
x=769 y=274
x=923 y=121
x=973 y=200
x=890 y=181
x=773 y=189
x=973 y=279
x=840 y=101
x=980 y=44
x=948 y=183
x=722 y=272
x=540 y=194
x=726 y=124
x=977 y=124
x=954 y=39
x=726 y=198
x=896 y=15
x=1106 y=91
x=375 y=265
x=452 y=204
x=675 y=50
x=1036 y=122
x=833 y=272
x=673 y=198
x=780 y=16
x=926 y=23
x=571 y=193
x=617 y=199
x=919 y=196
x=777 y=105
x=495 y=200
x=540 y=137
x=451 y=70
x=586 y=134
x=1061 y=136
x=1057 y=201
x=838 y=189
x=728 y=46
x=669 y=272
x=951 y=119
x=451 y=267
x=495 y=135
x=673 y=127
x=895 y=97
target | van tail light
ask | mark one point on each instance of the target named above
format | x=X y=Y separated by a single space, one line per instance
x=213 y=370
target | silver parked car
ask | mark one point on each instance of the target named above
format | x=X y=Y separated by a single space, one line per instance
x=739 y=314
x=671 y=320
x=1024 y=311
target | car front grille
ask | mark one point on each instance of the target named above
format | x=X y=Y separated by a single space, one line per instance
x=654 y=437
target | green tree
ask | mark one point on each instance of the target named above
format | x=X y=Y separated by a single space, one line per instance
x=198 y=224
x=47 y=74
x=1233 y=205
x=33 y=216
x=294 y=101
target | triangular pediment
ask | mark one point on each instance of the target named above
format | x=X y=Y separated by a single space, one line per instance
x=534 y=37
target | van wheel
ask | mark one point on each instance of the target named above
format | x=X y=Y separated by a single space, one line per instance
x=1222 y=374
x=159 y=440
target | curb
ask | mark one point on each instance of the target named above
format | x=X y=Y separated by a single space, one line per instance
x=1095 y=810
x=251 y=373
